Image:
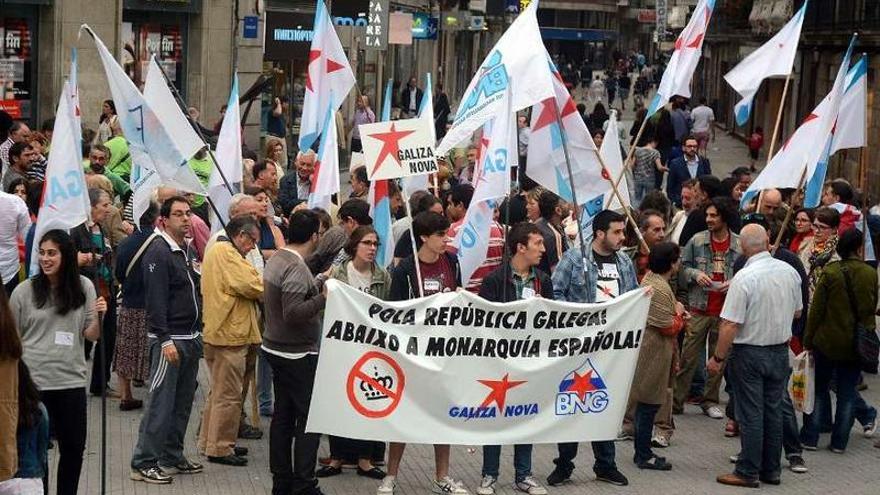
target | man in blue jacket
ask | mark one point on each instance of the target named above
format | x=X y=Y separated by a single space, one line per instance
x=681 y=169
x=608 y=273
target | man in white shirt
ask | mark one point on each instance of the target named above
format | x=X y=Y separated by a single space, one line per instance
x=14 y=223
x=703 y=117
x=762 y=300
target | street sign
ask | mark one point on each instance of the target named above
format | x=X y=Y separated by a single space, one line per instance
x=251 y=24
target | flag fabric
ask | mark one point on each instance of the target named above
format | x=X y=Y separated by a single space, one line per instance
x=676 y=80
x=74 y=90
x=546 y=155
x=613 y=158
x=154 y=154
x=325 y=178
x=415 y=183
x=510 y=66
x=589 y=210
x=851 y=217
x=380 y=201
x=228 y=155
x=65 y=201
x=800 y=150
x=329 y=78
x=773 y=58
x=848 y=132
x=169 y=113
x=491 y=182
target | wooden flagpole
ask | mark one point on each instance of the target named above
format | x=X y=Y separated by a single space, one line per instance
x=790 y=212
x=775 y=131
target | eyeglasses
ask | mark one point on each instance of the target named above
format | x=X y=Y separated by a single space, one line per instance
x=371 y=243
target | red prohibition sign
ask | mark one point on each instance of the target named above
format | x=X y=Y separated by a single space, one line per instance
x=357 y=373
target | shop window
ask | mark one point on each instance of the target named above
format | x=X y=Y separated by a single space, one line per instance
x=17 y=58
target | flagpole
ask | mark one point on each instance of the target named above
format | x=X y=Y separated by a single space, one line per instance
x=201 y=136
x=863 y=154
x=630 y=153
x=412 y=238
x=790 y=212
x=775 y=131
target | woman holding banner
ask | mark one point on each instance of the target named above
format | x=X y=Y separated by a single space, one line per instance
x=364 y=274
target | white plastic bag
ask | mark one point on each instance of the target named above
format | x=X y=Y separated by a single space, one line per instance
x=802 y=383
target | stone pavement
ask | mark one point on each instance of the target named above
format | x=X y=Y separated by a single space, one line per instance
x=699 y=452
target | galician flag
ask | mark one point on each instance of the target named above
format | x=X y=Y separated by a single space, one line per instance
x=415 y=183
x=325 y=178
x=546 y=155
x=155 y=157
x=229 y=161
x=806 y=148
x=65 y=201
x=510 y=66
x=773 y=58
x=328 y=78
x=676 y=79
x=380 y=201
x=163 y=103
x=492 y=182
x=613 y=158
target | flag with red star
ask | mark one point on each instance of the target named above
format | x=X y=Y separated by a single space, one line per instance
x=676 y=79
x=329 y=78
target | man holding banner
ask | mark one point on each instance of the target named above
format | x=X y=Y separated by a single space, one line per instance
x=608 y=273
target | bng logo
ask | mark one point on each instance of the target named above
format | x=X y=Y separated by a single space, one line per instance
x=493 y=80
x=582 y=391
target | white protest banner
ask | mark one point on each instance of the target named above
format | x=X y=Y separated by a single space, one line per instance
x=399 y=148
x=453 y=368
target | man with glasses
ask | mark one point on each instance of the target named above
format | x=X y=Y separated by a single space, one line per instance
x=231 y=290
x=689 y=166
x=174 y=325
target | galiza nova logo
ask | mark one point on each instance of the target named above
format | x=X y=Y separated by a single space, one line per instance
x=582 y=391
x=498 y=396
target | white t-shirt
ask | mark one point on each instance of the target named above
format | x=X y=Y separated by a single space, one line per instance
x=14 y=222
x=703 y=117
x=358 y=280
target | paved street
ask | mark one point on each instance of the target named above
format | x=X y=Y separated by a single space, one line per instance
x=699 y=450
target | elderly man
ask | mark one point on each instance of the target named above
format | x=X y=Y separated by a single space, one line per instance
x=771 y=202
x=294 y=188
x=231 y=289
x=762 y=300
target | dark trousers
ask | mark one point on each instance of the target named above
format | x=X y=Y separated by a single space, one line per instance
x=293 y=380
x=759 y=376
x=102 y=358
x=643 y=423
x=847 y=377
x=356 y=145
x=11 y=285
x=602 y=451
x=351 y=450
x=791 y=440
x=67 y=415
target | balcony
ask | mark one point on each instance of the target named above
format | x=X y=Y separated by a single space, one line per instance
x=842 y=16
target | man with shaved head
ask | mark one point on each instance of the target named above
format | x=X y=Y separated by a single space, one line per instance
x=771 y=202
x=762 y=300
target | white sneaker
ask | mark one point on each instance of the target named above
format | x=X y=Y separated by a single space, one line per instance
x=714 y=412
x=449 y=485
x=389 y=483
x=487 y=486
x=734 y=458
x=660 y=442
x=531 y=486
x=869 y=429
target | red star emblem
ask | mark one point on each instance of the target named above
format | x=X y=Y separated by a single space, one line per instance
x=581 y=384
x=498 y=395
x=315 y=176
x=390 y=146
x=547 y=115
x=330 y=67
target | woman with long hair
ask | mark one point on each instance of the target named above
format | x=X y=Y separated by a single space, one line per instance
x=366 y=275
x=105 y=122
x=274 y=153
x=802 y=242
x=56 y=312
x=271 y=238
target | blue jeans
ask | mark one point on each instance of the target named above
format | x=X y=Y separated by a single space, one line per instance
x=644 y=426
x=522 y=461
x=791 y=440
x=759 y=374
x=641 y=187
x=264 y=384
x=847 y=377
x=603 y=452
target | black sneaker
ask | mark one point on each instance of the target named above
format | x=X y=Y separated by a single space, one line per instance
x=185 y=467
x=240 y=451
x=559 y=476
x=150 y=475
x=612 y=476
x=249 y=432
x=228 y=460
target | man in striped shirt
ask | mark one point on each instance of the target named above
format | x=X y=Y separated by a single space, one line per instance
x=457 y=204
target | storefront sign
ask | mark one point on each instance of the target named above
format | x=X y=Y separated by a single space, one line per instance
x=424 y=26
x=400 y=28
x=647 y=16
x=251 y=24
x=17 y=57
x=12 y=107
x=288 y=35
x=662 y=14
x=377 y=25
x=192 y=6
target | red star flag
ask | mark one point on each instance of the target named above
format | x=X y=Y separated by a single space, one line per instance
x=676 y=79
x=509 y=67
x=328 y=78
x=399 y=148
